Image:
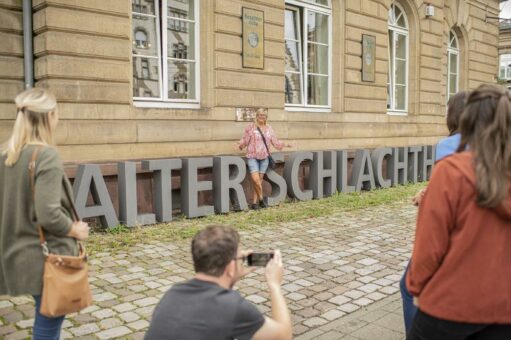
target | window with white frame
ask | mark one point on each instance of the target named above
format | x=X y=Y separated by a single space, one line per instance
x=397 y=80
x=308 y=36
x=166 y=51
x=505 y=66
x=453 y=65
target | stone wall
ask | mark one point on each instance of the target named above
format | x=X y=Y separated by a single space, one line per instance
x=83 y=53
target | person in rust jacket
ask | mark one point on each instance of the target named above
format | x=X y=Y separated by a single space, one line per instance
x=461 y=269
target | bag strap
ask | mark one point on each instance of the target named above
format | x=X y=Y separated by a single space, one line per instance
x=31 y=170
x=264 y=141
x=74 y=213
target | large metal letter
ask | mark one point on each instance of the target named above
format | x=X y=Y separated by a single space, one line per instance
x=291 y=175
x=277 y=182
x=377 y=157
x=162 y=188
x=342 y=172
x=398 y=166
x=190 y=187
x=413 y=163
x=225 y=184
x=426 y=162
x=127 y=185
x=89 y=177
x=362 y=176
x=323 y=174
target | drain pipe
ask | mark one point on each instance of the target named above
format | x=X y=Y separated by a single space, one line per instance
x=28 y=50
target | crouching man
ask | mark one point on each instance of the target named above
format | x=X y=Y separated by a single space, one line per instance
x=207 y=307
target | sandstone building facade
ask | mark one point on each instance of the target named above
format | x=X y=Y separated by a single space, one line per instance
x=164 y=78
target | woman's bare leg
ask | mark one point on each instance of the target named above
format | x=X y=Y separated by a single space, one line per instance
x=254 y=176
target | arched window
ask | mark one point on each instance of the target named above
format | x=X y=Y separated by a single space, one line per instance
x=397 y=81
x=453 y=64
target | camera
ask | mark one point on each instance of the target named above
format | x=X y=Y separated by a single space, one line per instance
x=259 y=259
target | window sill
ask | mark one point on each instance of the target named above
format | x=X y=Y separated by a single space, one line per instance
x=397 y=113
x=307 y=109
x=165 y=105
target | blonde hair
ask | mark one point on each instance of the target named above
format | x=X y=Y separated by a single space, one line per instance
x=32 y=124
x=259 y=111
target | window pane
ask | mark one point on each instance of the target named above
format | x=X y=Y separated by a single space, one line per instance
x=389 y=96
x=143 y=6
x=390 y=74
x=292 y=56
x=291 y=25
x=181 y=80
x=183 y=9
x=317 y=27
x=401 y=21
x=453 y=67
x=144 y=36
x=180 y=39
x=400 y=72
x=452 y=39
x=317 y=90
x=146 y=77
x=293 y=88
x=400 y=46
x=319 y=2
x=400 y=97
x=317 y=59
x=502 y=72
x=453 y=83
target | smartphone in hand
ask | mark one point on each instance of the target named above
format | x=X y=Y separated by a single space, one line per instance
x=259 y=259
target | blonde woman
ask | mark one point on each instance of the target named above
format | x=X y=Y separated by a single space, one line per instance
x=21 y=256
x=257 y=153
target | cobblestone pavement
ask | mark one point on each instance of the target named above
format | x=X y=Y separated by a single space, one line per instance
x=341 y=280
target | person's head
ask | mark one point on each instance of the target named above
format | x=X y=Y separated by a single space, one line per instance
x=215 y=251
x=455 y=107
x=485 y=128
x=261 y=117
x=35 y=122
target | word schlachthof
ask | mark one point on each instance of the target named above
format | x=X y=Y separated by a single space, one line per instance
x=328 y=174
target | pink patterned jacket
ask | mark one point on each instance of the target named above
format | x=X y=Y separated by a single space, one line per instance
x=253 y=141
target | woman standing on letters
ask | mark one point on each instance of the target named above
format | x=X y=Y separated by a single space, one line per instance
x=21 y=256
x=257 y=153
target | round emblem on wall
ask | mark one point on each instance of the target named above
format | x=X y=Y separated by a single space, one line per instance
x=253 y=39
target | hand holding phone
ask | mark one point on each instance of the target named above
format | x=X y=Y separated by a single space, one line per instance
x=275 y=271
x=259 y=259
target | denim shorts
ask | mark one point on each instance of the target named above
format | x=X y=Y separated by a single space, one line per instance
x=257 y=165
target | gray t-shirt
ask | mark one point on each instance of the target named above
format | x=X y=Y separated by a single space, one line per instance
x=196 y=310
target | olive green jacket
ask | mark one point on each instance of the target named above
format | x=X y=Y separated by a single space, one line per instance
x=21 y=258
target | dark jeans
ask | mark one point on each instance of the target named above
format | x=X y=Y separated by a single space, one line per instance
x=427 y=327
x=45 y=328
x=409 y=309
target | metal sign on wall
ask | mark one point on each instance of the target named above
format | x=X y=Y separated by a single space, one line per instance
x=253 y=38
x=368 y=57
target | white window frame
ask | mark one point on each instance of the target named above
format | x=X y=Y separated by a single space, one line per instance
x=453 y=51
x=295 y=5
x=164 y=58
x=398 y=30
x=504 y=61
